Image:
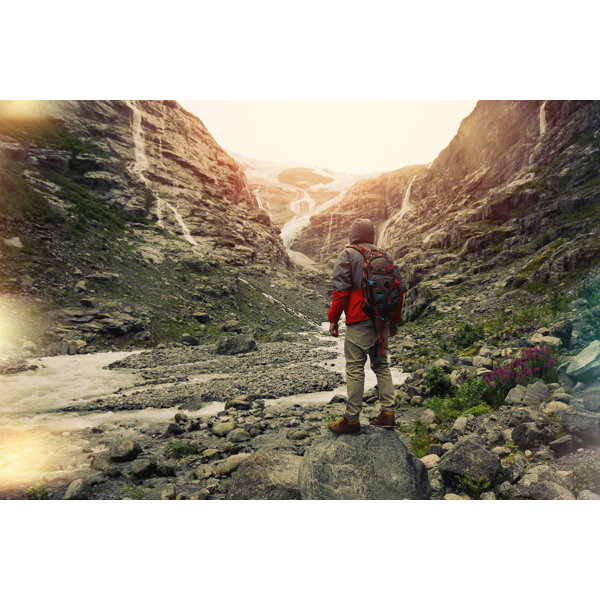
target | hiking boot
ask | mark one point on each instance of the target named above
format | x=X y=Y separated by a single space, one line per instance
x=384 y=419
x=344 y=425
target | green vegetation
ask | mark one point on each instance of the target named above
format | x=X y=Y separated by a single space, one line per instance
x=17 y=195
x=420 y=439
x=474 y=488
x=37 y=492
x=586 y=476
x=134 y=491
x=469 y=398
x=436 y=380
x=466 y=335
x=46 y=131
x=180 y=450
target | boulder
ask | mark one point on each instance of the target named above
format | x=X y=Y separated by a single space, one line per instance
x=143 y=467
x=471 y=455
x=581 y=423
x=222 y=429
x=555 y=408
x=78 y=490
x=235 y=344
x=240 y=402
x=238 y=435
x=538 y=474
x=190 y=340
x=562 y=446
x=587 y=495
x=592 y=403
x=548 y=490
x=562 y=330
x=266 y=476
x=526 y=435
x=585 y=366
x=230 y=464
x=125 y=451
x=375 y=465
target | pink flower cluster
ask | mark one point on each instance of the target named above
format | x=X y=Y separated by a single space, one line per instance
x=539 y=362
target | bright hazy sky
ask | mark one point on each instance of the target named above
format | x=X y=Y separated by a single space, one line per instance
x=351 y=136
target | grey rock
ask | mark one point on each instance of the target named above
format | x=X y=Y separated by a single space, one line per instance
x=374 y=465
x=143 y=467
x=592 y=403
x=528 y=434
x=169 y=492
x=581 y=424
x=562 y=446
x=535 y=393
x=238 y=435
x=482 y=362
x=190 y=340
x=515 y=395
x=554 y=407
x=240 y=402
x=202 y=317
x=537 y=474
x=563 y=330
x=222 y=429
x=585 y=367
x=125 y=451
x=470 y=455
x=174 y=429
x=266 y=476
x=549 y=490
x=89 y=303
x=235 y=344
x=230 y=464
x=587 y=495
x=78 y=490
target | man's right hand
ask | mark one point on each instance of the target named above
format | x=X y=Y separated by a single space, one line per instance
x=333 y=329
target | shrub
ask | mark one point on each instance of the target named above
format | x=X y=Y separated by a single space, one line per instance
x=420 y=439
x=436 y=380
x=38 y=492
x=586 y=476
x=179 y=450
x=540 y=362
x=466 y=335
x=473 y=488
x=136 y=492
x=469 y=398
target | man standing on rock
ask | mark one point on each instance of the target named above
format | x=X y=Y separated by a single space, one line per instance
x=362 y=336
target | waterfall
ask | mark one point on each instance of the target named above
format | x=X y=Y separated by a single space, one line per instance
x=261 y=206
x=383 y=238
x=543 y=118
x=141 y=164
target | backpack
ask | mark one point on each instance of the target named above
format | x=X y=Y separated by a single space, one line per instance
x=382 y=287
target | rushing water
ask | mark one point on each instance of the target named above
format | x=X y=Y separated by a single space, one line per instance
x=543 y=118
x=39 y=441
x=383 y=239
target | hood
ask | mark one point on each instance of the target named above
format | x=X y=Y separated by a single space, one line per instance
x=362 y=230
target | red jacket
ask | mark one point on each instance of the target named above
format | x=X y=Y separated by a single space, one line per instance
x=349 y=290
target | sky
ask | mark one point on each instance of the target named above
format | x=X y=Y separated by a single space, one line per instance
x=350 y=136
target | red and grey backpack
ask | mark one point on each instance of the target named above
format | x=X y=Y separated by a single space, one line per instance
x=382 y=286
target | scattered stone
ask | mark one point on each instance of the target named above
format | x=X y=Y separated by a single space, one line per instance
x=374 y=465
x=14 y=242
x=554 y=407
x=266 y=476
x=471 y=455
x=89 y=302
x=203 y=472
x=235 y=344
x=240 y=402
x=186 y=338
x=549 y=490
x=143 y=467
x=428 y=417
x=202 y=317
x=526 y=435
x=211 y=453
x=169 y=493
x=581 y=424
x=430 y=460
x=125 y=451
x=585 y=367
x=562 y=446
x=174 y=429
x=238 y=435
x=230 y=464
x=78 y=490
x=563 y=330
x=588 y=495
x=222 y=429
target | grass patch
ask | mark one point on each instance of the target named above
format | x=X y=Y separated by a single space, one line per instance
x=37 y=492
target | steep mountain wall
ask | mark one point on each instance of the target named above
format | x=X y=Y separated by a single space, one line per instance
x=514 y=195
x=121 y=220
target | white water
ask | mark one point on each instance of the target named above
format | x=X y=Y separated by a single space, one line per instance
x=266 y=208
x=383 y=238
x=142 y=164
x=543 y=118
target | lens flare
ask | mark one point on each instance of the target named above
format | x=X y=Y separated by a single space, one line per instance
x=26 y=457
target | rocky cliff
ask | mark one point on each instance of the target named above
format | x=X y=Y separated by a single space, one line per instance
x=132 y=209
x=511 y=203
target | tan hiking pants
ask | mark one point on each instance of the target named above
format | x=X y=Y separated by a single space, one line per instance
x=361 y=339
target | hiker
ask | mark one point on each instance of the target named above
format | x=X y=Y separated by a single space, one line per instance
x=366 y=334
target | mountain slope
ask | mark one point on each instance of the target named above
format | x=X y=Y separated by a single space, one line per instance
x=132 y=209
